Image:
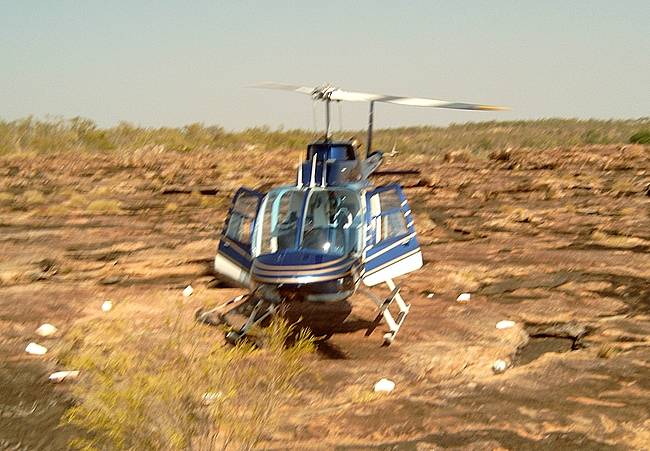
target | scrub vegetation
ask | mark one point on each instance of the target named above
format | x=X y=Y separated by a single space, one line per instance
x=173 y=384
x=542 y=231
x=31 y=135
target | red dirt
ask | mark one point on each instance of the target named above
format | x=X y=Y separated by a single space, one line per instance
x=557 y=241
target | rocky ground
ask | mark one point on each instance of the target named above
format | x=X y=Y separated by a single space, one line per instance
x=556 y=241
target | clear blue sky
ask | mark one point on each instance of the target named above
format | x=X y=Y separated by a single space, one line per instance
x=170 y=63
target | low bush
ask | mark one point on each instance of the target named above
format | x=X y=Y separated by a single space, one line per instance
x=175 y=386
x=104 y=206
x=640 y=137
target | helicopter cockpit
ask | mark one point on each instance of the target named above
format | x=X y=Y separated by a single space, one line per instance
x=325 y=220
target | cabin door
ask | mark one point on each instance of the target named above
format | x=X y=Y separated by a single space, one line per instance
x=392 y=247
x=233 y=258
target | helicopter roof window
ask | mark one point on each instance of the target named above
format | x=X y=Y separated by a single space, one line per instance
x=342 y=153
x=327 y=151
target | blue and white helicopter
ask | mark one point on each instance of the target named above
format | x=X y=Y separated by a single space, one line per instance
x=320 y=238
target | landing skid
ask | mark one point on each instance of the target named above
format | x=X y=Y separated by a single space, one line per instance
x=263 y=309
x=205 y=316
x=393 y=324
x=257 y=315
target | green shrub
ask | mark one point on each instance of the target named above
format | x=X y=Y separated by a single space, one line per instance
x=640 y=137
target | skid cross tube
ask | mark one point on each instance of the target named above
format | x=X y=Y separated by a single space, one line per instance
x=253 y=320
x=203 y=315
x=233 y=336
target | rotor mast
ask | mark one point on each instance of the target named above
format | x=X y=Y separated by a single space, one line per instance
x=325 y=92
x=371 y=121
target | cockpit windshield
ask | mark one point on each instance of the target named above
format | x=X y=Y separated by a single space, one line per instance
x=326 y=220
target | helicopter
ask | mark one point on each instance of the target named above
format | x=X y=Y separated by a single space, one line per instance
x=321 y=238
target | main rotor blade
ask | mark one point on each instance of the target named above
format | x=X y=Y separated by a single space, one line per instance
x=268 y=85
x=412 y=101
x=328 y=92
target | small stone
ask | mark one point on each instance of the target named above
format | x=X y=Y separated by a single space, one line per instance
x=463 y=298
x=107 y=306
x=46 y=330
x=60 y=376
x=384 y=385
x=499 y=366
x=110 y=280
x=188 y=291
x=35 y=349
x=505 y=324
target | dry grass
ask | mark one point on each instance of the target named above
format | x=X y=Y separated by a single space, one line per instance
x=608 y=351
x=470 y=140
x=167 y=382
x=104 y=206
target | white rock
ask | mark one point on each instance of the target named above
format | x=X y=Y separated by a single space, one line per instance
x=107 y=306
x=384 y=385
x=499 y=366
x=35 y=349
x=188 y=291
x=463 y=298
x=46 y=330
x=505 y=324
x=60 y=376
x=430 y=295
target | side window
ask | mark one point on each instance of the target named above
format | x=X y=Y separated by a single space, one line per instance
x=388 y=215
x=242 y=217
x=239 y=228
x=284 y=220
x=279 y=219
x=393 y=224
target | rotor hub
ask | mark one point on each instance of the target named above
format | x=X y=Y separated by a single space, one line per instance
x=324 y=92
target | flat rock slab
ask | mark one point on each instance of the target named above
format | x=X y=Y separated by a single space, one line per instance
x=556 y=241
